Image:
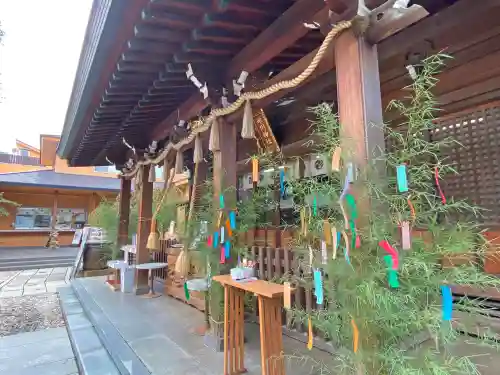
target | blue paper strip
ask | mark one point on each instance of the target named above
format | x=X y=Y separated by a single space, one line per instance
x=221 y=201
x=282 y=183
x=216 y=239
x=318 y=287
x=339 y=237
x=350 y=172
x=346 y=187
x=346 y=256
x=402 y=178
x=232 y=219
x=227 y=249
x=447 y=302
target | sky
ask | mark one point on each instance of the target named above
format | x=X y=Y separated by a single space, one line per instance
x=38 y=60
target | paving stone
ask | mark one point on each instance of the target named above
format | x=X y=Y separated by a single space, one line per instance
x=25 y=338
x=98 y=362
x=35 y=353
x=78 y=321
x=72 y=308
x=12 y=293
x=65 y=367
x=85 y=340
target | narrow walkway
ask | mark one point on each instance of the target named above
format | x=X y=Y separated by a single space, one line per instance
x=32 y=282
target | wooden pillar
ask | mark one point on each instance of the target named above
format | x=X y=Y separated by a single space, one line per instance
x=143 y=229
x=224 y=165
x=359 y=102
x=124 y=211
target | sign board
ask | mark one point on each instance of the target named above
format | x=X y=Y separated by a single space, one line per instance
x=264 y=133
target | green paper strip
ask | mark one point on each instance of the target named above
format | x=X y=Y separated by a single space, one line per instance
x=186 y=292
x=392 y=274
x=315 y=207
x=353 y=233
x=353 y=209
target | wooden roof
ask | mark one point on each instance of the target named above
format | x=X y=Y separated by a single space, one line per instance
x=131 y=79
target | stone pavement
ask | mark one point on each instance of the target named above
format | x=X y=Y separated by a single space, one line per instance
x=31 y=282
x=42 y=352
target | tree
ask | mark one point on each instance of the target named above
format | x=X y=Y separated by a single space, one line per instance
x=3 y=202
x=375 y=290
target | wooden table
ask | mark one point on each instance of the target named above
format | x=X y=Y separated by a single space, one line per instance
x=271 y=337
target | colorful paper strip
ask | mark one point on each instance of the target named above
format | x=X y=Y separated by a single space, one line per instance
x=392 y=251
x=186 y=292
x=405 y=235
x=318 y=286
x=221 y=202
x=227 y=250
x=392 y=274
x=216 y=239
x=355 y=336
x=447 y=302
x=324 y=253
x=310 y=334
x=402 y=178
x=232 y=219
x=436 y=175
x=282 y=183
x=336 y=159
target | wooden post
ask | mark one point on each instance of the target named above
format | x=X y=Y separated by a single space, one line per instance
x=359 y=102
x=54 y=211
x=224 y=165
x=124 y=211
x=360 y=114
x=143 y=229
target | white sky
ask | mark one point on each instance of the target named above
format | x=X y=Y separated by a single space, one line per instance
x=38 y=62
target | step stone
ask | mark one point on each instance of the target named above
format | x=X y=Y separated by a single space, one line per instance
x=91 y=356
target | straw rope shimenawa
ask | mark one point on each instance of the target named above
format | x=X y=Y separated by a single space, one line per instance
x=257 y=95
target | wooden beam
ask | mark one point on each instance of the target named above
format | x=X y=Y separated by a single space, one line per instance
x=124 y=211
x=143 y=229
x=224 y=165
x=281 y=34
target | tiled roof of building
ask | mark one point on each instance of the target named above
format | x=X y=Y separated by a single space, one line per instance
x=52 y=179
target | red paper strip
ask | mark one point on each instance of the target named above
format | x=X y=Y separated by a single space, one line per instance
x=392 y=251
x=222 y=255
x=209 y=241
x=412 y=210
x=436 y=175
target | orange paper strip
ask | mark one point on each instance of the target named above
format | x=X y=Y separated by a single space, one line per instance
x=255 y=170
x=287 y=296
x=327 y=232
x=355 y=336
x=310 y=330
x=228 y=226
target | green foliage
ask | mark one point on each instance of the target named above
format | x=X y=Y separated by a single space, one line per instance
x=357 y=288
x=106 y=216
x=3 y=202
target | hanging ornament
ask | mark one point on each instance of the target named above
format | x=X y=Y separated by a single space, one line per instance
x=436 y=175
x=324 y=253
x=353 y=233
x=247 y=129
x=344 y=213
x=346 y=249
x=327 y=232
x=318 y=286
x=447 y=302
x=219 y=219
x=412 y=209
x=214 y=140
x=179 y=163
x=287 y=296
x=303 y=221
x=336 y=159
x=255 y=170
x=216 y=239
x=282 y=183
x=350 y=176
x=152 y=173
x=222 y=255
x=345 y=189
x=392 y=274
x=186 y=292
x=335 y=242
x=351 y=203
x=222 y=235
x=221 y=202
x=392 y=252
x=228 y=227
x=402 y=178
x=315 y=207
x=232 y=219
x=227 y=249
x=355 y=336
x=358 y=241
x=210 y=241
x=198 y=150
x=310 y=334
x=405 y=235
x=311 y=257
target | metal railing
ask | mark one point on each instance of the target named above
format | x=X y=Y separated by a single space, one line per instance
x=18 y=159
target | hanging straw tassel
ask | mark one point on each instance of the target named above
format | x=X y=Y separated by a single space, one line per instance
x=214 y=141
x=152 y=173
x=153 y=238
x=179 y=163
x=198 y=150
x=247 y=130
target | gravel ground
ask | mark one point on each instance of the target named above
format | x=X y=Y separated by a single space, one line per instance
x=30 y=313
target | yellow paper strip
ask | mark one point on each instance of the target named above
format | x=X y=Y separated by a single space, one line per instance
x=355 y=336
x=346 y=219
x=255 y=170
x=310 y=330
x=219 y=219
x=346 y=239
x=287 y=296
